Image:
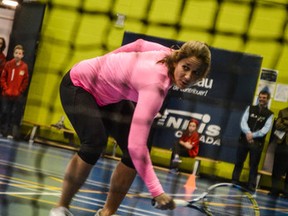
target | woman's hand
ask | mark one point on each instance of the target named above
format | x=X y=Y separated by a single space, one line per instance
x=164 y=202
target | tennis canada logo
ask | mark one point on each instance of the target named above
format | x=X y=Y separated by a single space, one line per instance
x=179 y=120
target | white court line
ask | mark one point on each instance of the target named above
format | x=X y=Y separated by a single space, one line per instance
x=49 y=173
x=10 y=182
x=78 y=198
x=89 y=182
x=30 y=193
x=126 y=209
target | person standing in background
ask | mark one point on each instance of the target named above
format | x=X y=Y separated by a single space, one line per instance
x=280 y=165
x=2 y=64
x=2 y=55
x=14 y=81
x=256 y=122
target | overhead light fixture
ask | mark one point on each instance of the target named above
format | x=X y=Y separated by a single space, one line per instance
x=10 y=3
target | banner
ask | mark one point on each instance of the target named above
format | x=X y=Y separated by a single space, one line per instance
x=217 y=101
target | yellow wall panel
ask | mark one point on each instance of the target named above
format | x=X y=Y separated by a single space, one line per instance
x=92 y=29
x=131 y=8
x=264 y=49
x=227 y=42
x=67 y=3
x=69 y=36
x=192 y=35
x=60 y=24
x=158 y=31
x=283 y=65
x=199 y=13
x=100 y=5
x=164 y=11
x=233 y=17
x=267 y=21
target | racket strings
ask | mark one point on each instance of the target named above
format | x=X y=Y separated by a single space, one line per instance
x=229 y=201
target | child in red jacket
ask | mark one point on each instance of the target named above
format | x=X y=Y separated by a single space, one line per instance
x=14 y=82
x=187 y=146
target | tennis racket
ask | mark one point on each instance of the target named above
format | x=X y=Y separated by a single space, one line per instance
x=222 y=199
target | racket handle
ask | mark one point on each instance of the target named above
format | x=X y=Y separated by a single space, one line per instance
x=154 y=203
x=178 y=202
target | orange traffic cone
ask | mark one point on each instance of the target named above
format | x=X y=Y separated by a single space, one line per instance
x=190 y=186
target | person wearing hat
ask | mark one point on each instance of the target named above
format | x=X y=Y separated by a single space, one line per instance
x=187 y=146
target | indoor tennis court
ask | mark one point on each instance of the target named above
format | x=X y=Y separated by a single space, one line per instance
x=31 y=181
x=249 y=42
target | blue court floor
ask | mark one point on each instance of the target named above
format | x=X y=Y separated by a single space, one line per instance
x=31 y=178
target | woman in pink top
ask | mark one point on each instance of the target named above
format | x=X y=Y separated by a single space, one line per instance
x=99 y=97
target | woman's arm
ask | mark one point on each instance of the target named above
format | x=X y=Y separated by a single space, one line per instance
x=149 y=102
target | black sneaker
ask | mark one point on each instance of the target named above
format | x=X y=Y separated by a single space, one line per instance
x=174 y=171
x=251 y=189
x=177 y=160
x=236 y=182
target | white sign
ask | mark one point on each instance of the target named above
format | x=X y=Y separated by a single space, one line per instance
x=281 y=93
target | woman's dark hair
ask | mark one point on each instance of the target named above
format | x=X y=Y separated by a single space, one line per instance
x=265 y=92
x=2 y=48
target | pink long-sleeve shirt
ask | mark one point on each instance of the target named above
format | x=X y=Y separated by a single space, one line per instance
x=130 y=73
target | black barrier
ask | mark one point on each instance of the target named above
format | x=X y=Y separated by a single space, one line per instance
x=217 y=101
